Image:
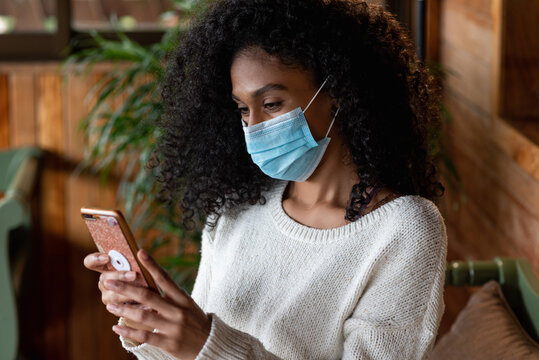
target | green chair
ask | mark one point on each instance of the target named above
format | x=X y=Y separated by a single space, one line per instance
x=516 y=278
x=18 y=169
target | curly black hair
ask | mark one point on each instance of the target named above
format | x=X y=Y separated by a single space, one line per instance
x=389 y=103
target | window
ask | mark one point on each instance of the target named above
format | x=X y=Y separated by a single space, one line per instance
x=43 y=29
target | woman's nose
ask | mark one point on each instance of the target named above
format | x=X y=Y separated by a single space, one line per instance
x=255 y=117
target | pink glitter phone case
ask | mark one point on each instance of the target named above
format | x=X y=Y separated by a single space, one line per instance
x=112 y=236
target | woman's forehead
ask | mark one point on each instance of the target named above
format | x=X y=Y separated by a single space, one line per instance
x=251 y=71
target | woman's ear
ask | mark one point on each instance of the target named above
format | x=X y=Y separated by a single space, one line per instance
x=335 y=104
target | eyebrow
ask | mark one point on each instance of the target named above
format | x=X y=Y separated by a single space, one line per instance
x=263 y=90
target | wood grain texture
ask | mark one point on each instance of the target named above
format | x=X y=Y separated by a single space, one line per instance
x=433 y=31
x=97 y=340
x=520 y=61
x=498 y=212
x=54 y=263
x=466 y=53
x=22 y=103
x=478 y=7
x=4 y=112
x=496 y=90
x=492 y=149
x=521 y=140
x=468 y=29
x=50 y=121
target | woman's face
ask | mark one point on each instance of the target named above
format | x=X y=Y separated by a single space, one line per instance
x=264 y=88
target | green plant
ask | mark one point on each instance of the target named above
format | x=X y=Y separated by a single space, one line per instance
x=124 y=135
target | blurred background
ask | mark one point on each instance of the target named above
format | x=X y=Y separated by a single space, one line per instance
x=488 y=51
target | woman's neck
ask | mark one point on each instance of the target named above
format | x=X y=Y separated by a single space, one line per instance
x=331 y=182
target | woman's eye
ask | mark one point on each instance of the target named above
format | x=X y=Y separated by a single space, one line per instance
x=272 y=106
x=243 y=110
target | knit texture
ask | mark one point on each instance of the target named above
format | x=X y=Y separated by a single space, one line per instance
x=277 y=289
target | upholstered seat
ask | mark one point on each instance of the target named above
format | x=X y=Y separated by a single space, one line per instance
x=18 y=169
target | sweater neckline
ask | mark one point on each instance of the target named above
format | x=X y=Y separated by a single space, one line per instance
x=301 y=232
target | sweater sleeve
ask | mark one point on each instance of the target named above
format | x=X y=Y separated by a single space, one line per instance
x=202 y=282
x=224 y=343
x=227 y=343
x=398 y=315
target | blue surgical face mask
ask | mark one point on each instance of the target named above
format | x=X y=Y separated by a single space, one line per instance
x=283 y=147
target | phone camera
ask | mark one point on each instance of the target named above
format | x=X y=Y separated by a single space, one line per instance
x=112 y=221
x=88 y=217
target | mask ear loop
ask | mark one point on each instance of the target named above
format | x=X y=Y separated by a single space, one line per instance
x=332 y=121
x=314 y=97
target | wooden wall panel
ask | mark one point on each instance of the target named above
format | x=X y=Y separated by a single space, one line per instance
x=466 y=52
x=22 y=105
x=50 y=121
x=44 y=110
x=432 y=31
x=492 y=154
x=50 y=137
x=498 y=213
x=473 y=29
x=508 y=193
x=4 y=112
x=521 y=147
x=83 y=190
x=477 y=7
x=499 y=194
x=83 y=340
x=520 y=59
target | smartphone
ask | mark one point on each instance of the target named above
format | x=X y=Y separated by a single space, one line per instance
x=112 y=236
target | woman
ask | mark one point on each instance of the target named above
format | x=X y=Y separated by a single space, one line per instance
x=322 y=240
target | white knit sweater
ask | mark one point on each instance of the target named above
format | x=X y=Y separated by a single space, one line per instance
x=277 y=289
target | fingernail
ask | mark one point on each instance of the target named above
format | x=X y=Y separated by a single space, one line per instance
x=118 y=330
x=129 y=275
x=144 y=255
x=112 y=307
x=103 y=257
x=101 y=277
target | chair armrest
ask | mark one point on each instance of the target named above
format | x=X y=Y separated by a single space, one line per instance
x=23 y=182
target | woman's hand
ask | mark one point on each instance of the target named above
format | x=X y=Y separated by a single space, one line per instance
x=98 y=262
x=182 y=326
